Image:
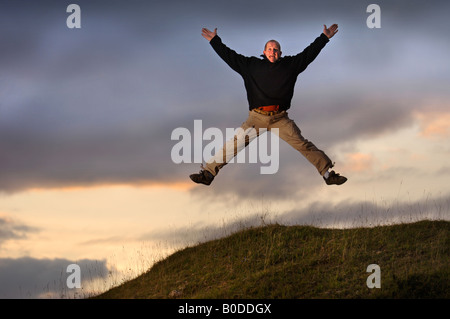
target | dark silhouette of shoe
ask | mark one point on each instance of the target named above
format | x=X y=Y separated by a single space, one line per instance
x=203 y=177
x=335 y=179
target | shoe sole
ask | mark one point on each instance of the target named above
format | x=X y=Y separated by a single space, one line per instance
x=193 y=178
x=336 y=182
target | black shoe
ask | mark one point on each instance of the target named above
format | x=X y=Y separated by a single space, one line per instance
x=203 y=177
x=335 y=179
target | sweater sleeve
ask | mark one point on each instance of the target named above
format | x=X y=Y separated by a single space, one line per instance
x=303 y=59
x=236 y=61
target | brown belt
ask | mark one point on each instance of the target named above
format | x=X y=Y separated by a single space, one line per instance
x=268 y=110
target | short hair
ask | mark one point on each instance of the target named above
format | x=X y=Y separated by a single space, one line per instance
x=273 y=41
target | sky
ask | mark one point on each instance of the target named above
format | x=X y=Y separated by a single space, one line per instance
x=87 y=115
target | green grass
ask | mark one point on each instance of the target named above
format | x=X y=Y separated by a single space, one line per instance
x=276 y=261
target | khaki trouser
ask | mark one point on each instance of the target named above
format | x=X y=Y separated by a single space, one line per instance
x=288 y=131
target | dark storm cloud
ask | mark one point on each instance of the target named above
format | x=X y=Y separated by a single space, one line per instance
x=354 y=117
x=45 y=278
x=76 y=107
x=98 y=104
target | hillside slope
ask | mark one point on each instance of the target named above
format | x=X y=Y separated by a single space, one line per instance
x=277 y=261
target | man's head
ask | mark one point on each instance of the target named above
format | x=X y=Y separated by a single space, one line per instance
x=272 y=51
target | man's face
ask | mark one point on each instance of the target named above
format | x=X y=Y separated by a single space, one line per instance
x=272 y=51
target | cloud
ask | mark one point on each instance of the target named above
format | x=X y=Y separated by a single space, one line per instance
x=103 y=241
x=46 y=278
x=366 y=214
x=347 y=117
x=11 y=229
x=200 y=232
x=434 y=124
x=358 y=162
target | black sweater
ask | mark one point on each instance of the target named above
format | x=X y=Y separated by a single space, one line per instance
x=269 y=83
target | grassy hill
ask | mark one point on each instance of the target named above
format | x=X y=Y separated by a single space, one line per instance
x=277 y=261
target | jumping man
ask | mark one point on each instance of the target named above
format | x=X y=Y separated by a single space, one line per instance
x=270 y=82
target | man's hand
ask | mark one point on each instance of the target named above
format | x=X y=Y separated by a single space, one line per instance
x=208 y=35
x=331 y=31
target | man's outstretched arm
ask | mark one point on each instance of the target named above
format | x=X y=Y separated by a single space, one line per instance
x=310 y=53
x=234 y=60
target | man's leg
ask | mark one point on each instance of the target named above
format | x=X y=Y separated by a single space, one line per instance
x=244 y=135
x=290 y=132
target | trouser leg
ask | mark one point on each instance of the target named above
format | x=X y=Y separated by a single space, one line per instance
x=289 y=132
x=244 y=135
